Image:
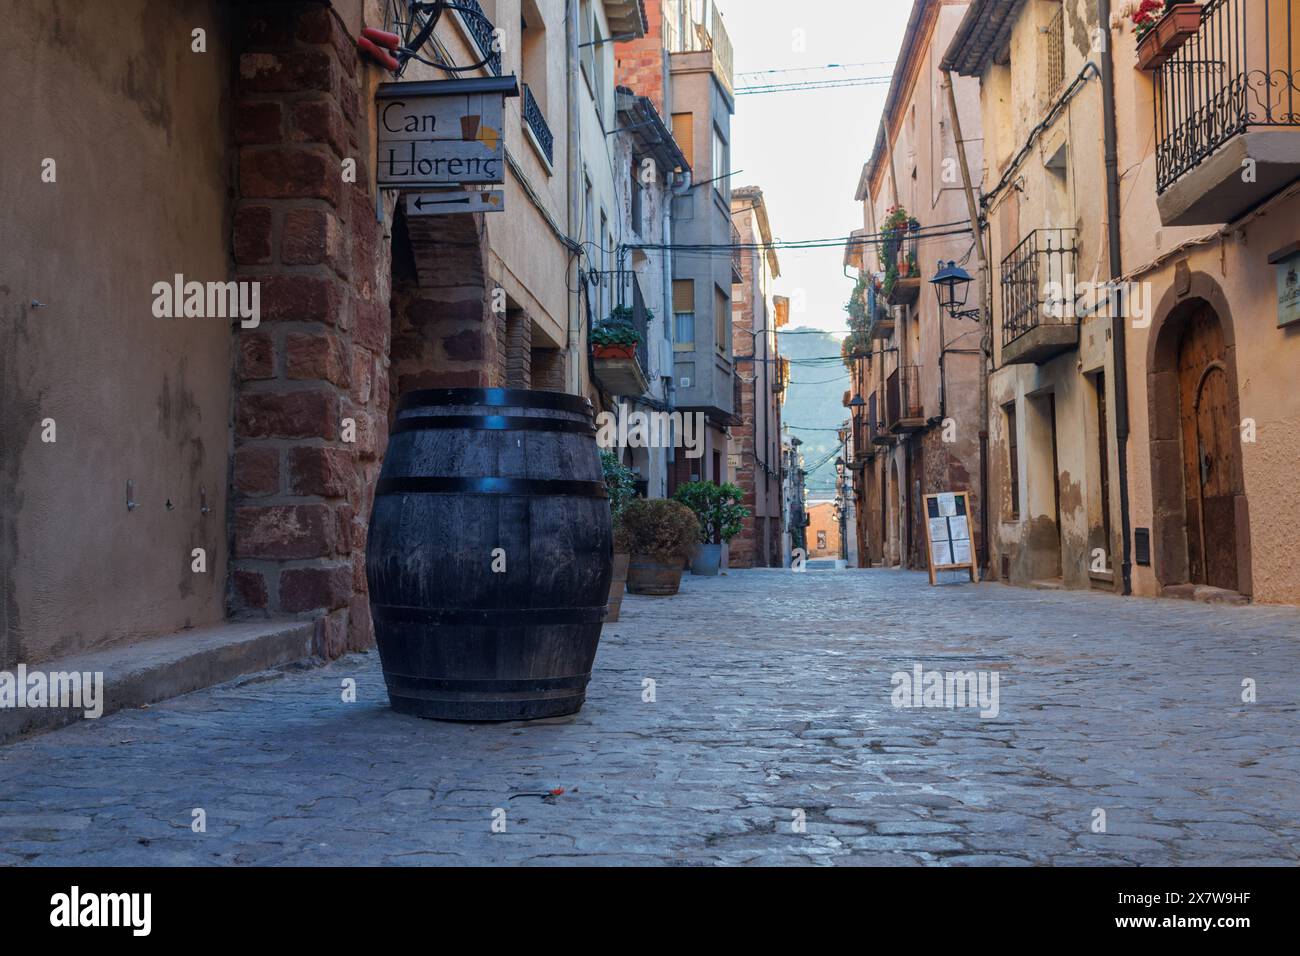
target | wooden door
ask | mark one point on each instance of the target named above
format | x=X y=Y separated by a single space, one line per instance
x=1211 y=466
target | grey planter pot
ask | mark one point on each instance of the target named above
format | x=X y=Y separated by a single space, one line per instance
x=707 y=561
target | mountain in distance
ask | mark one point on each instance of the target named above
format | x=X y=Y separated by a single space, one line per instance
x=814 y=408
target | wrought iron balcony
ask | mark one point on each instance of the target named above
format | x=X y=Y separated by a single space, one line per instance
x=536 y=121
x=480 y=28
x=1227 y=99
x=904 y=410
x=877 y=433
x=1039 y=320
x=737 y=257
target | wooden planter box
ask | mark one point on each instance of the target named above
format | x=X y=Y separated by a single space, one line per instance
x=1171 y=32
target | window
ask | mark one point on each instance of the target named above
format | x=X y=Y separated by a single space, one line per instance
x=684 y=315
x=684 y=133
x=1013 y=462
x=599 y=50
x=586 y=54
x=721 y=320
x=533 y=52
x=1055 y=34
x=605 y=285
x=821 y=541
x=638 y=198
x=588 y=213
x=1103 y=451
x=721 y=164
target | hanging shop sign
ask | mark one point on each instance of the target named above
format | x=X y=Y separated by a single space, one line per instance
x=1287 y=263
x=442 y=133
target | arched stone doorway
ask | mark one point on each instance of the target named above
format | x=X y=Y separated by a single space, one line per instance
x=1202 y=528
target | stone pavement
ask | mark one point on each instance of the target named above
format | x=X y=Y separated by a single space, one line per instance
x=772 y=705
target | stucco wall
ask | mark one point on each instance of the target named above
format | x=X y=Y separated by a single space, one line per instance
x=1235 y=261
x=137 y=124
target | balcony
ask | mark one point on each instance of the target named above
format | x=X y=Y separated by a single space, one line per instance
x=622 y=370
x=691 y=27
x=479 y=26
x=877 y=434
x=1226 y=101
x=1039 y=321
x=904 y=411
x=882 y=320
x=737 y=257
x=903 y=280
x=535 y=122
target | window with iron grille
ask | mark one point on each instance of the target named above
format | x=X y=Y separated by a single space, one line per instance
x=1055 y=34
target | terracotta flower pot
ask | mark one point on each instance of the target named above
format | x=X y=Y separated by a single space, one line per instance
x=615 y=351
x=1164 y=39
x=649 y=575
x=617 y=586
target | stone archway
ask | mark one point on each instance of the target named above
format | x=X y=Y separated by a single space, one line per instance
x=445 y=331
x=1201 y=533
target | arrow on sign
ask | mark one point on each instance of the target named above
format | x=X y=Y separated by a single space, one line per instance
x=455 y=201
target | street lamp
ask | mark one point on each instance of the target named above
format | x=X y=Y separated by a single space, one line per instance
x=952 y=285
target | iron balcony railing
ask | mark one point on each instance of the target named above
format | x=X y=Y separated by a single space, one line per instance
x=641 y=322
x=903 y=395
x=1239 y=70
x=1038 y=283
x=536 y=121
x=737 y=256
x=481 y=29
x=877 y=433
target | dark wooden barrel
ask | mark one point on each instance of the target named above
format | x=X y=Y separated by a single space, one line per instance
x=473 y=478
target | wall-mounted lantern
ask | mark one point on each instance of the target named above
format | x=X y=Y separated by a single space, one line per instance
x=952 y=284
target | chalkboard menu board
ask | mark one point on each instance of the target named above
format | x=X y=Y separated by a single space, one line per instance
x=948 y=534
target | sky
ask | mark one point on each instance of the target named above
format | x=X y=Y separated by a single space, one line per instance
x=806 y=149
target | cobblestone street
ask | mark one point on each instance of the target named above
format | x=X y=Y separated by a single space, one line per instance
x=772 y=696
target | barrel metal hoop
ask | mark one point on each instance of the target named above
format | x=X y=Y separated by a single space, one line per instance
x=493 y=423
x=489 y=617
x=406 y=684
x=495 y=398
x=523 y=487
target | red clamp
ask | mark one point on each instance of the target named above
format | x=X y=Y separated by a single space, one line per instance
x=378 y=45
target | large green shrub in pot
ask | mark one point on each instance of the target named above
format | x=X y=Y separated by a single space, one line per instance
x=717 y=508
x=664 y=530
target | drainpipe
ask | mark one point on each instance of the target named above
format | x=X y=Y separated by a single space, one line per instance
x=986 y=320
x=575 y=193
x=1119 y=328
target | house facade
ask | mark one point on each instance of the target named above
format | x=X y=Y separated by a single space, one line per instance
x=916 y=369
x=757 y=315
x=228 y=478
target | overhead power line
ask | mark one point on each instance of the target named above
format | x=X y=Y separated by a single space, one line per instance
x=803 y=86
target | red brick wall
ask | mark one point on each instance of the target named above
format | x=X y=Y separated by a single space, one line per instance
x=349 y=321
x=642 y=65
x=318 y=360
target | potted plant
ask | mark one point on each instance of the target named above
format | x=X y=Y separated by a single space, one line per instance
x=719 y=513
x=621 y=481
x=660 y=535
x=1162 y=26
x=617 y=336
